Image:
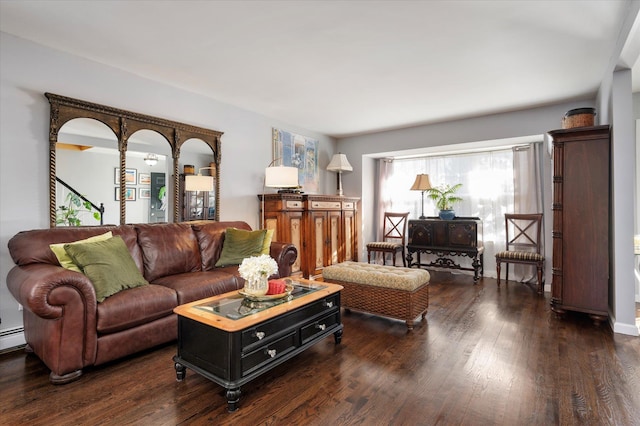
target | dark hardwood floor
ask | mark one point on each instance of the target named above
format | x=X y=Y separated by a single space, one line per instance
x=485 y=356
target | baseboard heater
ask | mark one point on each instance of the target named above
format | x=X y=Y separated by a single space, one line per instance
x=11 y=338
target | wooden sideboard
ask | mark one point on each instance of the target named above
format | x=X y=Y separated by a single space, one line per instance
x=322 y=227
x=581 y=229
x=461 y=236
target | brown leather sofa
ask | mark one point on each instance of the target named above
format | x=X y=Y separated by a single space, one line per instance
x=69 y=331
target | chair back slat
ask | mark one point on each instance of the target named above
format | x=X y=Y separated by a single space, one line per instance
x=523 y=231
x=395 y=226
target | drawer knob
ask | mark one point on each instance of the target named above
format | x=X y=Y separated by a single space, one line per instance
x=271 y=352
x=321 y=326
x=328 y=304
x=260 y=335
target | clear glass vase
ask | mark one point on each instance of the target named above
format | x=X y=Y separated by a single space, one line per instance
x=258 y=287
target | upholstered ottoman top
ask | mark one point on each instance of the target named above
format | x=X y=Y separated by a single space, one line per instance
x=378 y=275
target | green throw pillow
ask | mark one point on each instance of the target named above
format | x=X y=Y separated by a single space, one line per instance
x=108 y=264
x=65 y=260
x=266 y=245
x=239 y=244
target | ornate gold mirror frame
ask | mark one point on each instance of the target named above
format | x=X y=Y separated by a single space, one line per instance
x=123 y=124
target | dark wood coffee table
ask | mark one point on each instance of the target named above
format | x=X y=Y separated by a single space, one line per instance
x=232 y=340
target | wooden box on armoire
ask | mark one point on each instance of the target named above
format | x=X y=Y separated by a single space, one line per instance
x=581 y=215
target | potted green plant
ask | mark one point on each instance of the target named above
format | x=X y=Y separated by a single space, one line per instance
x=445 y=198
x=67 y=214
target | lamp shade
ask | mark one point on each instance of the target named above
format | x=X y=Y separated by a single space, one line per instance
x=198 y=183
x=422 y=183
x=281 y=177
x=339 y=163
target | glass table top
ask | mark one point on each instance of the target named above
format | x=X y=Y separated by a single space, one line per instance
x=237 y=306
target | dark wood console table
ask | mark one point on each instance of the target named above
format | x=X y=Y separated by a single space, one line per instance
x=461 y=236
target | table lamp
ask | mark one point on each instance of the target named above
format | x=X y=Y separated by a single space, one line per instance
x=422 y=184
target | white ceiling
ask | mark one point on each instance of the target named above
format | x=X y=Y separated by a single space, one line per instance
x=347 y=67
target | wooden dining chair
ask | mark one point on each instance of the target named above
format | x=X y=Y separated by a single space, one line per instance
x=393 y=239
x=523 y=237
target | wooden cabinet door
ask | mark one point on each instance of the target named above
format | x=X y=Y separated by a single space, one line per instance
x=316 y=242
x=349 y=232
x=462 y=234
x=335 y=246
x=292 y=224
x=287 y=227
x=586 y=224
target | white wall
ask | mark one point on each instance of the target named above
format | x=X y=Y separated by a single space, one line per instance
x=615 y=93
x=28 y=70
x=636 y=117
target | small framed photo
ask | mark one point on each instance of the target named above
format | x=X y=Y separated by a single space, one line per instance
x=144 y=179
x=145 y=193
x=130 y=194
x=131 y=176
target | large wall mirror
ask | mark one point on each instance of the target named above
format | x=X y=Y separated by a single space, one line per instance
x=111 y=166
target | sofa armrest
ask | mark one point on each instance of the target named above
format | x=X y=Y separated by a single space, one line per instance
x=285 y=254
x=59 y=313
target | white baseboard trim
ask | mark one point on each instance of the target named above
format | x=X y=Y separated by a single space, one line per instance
x=11 y=338
x=629 y=329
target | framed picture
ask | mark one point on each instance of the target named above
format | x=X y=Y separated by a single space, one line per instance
x=144 y=179
x=145 y=193
x=131 y=176
x=301 y=152
x=130 y=194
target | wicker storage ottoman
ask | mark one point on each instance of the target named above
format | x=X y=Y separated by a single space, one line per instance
x=401 y=293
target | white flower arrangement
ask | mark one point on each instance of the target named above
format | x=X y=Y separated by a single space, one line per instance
x=256 y=267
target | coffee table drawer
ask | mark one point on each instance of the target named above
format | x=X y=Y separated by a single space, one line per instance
x=268 y=353
x=270 y=329
x=310 y=331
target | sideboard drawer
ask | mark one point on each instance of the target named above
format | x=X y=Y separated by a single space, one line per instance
x=348 y=205
x=294 y=204
x=326 y=205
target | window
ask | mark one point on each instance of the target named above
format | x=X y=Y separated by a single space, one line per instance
x=487 y=190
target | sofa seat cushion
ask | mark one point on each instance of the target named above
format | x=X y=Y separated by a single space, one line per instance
x=200 y=285
x=135 y=306
x=168 y=249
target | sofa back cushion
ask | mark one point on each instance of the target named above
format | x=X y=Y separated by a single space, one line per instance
x=211 y=239
x=32 y=246
x=168 y=249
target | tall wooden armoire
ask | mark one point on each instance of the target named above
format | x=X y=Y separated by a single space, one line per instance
x=581 y=215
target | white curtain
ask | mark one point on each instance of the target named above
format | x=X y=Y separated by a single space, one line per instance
x=527 y=195
x=527 y=178
x=383 y=196
x=487 y=192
